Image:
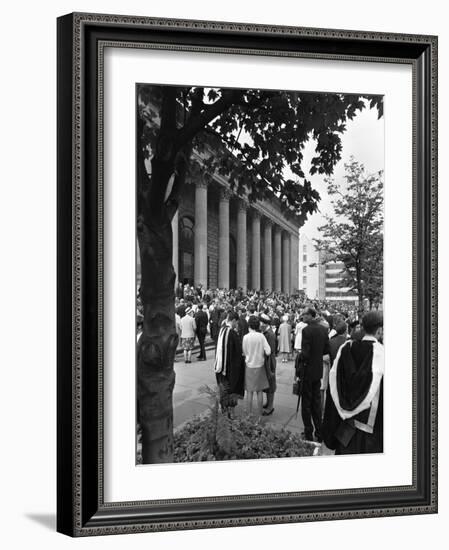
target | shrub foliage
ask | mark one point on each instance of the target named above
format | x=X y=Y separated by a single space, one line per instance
x=216 y=436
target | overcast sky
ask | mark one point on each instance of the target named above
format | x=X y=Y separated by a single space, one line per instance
x=363 y=139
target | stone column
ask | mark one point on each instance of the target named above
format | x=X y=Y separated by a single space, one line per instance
x=242 y=277
x=200 y=269
x=255 y=251
x=268 y=260
x=286 y=262
x=175 y=229
x=294 y=255
x=277 y=259
x=223 y=239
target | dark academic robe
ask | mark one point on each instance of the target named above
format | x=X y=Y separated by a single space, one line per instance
x=232 y=384
x=334 y=345
x=354 y=377
x=270 y=360
x=215 y=320
x=242 y=327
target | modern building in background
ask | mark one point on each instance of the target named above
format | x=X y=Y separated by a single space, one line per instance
x=309 y=265
x=331 y=282
x=319 y=276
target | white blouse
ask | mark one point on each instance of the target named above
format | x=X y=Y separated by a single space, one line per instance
x=255 y=347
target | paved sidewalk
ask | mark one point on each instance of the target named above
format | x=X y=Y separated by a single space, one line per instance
x=188 y=401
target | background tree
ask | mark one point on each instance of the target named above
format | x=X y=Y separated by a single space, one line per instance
x=261 y=135
x=354 y=234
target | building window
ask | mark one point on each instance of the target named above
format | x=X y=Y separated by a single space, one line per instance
x=304 y=257
x=304 y=269
x=304 y=280
x=304 y=248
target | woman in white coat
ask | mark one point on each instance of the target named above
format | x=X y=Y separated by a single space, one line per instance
x=188 y=331
x=298 y=334
x=285 y=331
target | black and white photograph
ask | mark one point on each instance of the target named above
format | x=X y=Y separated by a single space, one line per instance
x=223 y=221
x=259 y=273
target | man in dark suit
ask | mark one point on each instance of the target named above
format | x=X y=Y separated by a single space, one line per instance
x=341 y=328
x=315 y=344
x=201 y=320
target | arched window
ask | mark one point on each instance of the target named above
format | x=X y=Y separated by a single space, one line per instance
x=186 y=250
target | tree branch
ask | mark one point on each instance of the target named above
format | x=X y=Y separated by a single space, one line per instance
x=228 y=98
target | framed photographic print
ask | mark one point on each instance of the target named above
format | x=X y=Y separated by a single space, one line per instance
x=247 y=292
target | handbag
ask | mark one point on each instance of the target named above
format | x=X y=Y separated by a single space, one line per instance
x=296 y=387
x=299 y=366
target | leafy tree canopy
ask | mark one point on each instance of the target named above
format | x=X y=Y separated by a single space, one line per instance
x=353 y=235
x=260 y=134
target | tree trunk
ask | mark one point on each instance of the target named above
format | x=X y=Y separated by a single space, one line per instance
x=157 y=345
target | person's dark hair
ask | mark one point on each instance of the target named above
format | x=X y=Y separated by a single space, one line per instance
x=372 y=321
x=200 y=306
x=232 y=315
x=341 y=327
x=311 y=311
x=357 y=335
x=253 y=322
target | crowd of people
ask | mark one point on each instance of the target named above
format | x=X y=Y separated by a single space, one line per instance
x=338 y=356
x=283 y=310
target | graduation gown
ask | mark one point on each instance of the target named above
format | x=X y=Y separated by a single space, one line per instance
x=270 y=361
x=229 y=367
x=353 y=416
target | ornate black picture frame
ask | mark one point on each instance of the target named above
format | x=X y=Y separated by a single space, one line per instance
x=81 y=510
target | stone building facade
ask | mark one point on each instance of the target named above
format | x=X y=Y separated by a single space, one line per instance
x=222 y=241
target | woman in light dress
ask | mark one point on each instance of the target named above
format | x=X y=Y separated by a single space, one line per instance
x=284 y=338
x=298 y=334
x=188 y=331
x=255 y=347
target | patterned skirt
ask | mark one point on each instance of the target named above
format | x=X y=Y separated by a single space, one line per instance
x=187 y=343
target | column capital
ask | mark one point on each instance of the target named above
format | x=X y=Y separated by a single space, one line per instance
x=201 y=184
x=242 y=205
x=268 y=222
x=225 y=194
